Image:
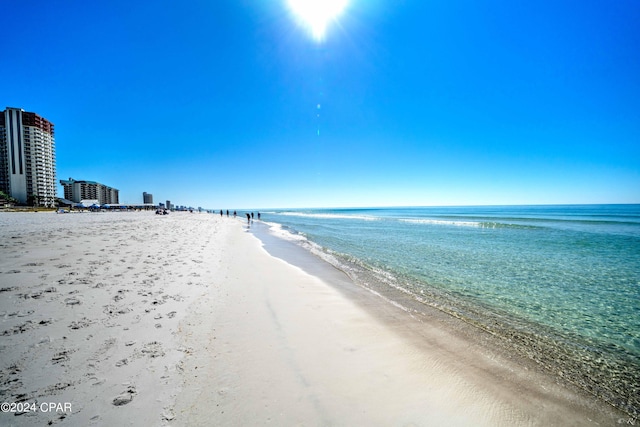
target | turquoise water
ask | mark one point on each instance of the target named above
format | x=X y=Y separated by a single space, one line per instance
x=563 y=282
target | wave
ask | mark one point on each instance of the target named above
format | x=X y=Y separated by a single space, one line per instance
x=426 y=221
x=443 y=222
x=285 y=232
x=330 y=216
x=583 y=221
x=475 y=224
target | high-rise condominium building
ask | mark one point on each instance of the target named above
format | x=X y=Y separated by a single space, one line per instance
x=147 y=198
x=27 y=157
x=76 y=191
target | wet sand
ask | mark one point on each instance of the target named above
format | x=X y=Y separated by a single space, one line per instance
x=190 y=319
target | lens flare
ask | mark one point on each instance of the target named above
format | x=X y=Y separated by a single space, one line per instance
x=316 y=15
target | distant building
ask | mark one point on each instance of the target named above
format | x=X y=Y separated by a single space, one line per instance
x=168 y=205
x=27 y=157
x=147 y=198
x=84 y=190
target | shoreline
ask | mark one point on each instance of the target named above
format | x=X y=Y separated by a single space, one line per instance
x=345 y=278
x=611 y=378
x=433 y=359
x=191 y=319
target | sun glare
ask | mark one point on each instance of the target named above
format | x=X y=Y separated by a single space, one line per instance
x=316 y=15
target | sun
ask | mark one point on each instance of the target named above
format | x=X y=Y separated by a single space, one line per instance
x=316 y=15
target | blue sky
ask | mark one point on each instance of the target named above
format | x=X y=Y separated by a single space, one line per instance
x=215 y=103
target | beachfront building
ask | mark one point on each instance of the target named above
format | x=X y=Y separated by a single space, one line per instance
x=76 y=191
x=27 y=157
x=147 y=198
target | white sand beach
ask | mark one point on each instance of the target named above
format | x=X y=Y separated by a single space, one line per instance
x=186 y=319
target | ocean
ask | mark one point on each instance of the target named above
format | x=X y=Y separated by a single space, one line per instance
x=557 y=284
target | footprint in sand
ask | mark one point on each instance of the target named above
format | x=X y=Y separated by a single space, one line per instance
x=113 y=310
x=126 y=397
x=19 y=313
x=33 y=264
x=57 y=388
x=79 y=324
x=119 y=295
x=152 y=350
x=72 y=301
x=61 y=356
x=19 y=329
x=104 y=351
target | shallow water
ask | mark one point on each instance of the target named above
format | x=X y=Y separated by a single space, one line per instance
x=561 y=284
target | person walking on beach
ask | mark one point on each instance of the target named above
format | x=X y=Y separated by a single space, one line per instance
x=220 y=212
x=251 y=215
x=227 y=213
x=258 y=216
